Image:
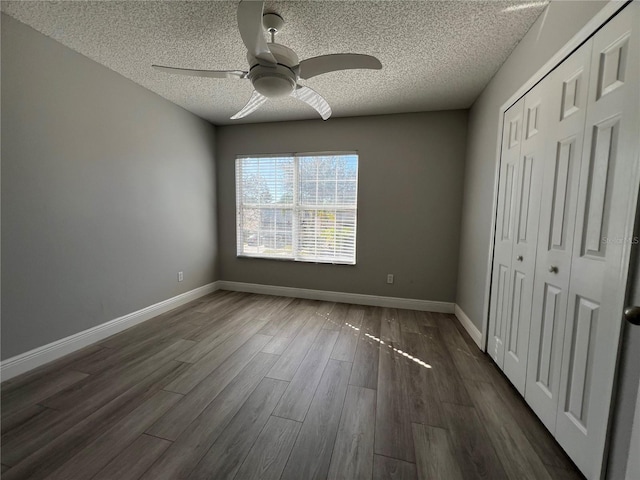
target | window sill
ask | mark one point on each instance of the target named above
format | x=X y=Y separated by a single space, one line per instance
x=291 y=259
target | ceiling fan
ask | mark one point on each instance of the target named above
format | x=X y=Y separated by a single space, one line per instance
x=274 y=70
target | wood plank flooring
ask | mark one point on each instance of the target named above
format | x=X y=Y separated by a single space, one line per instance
x=241 y=386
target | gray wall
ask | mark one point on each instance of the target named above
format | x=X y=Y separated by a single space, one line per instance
x=108 y=191
x=409 y=202
x=552 y=31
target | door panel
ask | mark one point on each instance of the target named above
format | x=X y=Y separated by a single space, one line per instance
x=509 y=200
x=524 y=210
x=573 y=89
x=599 y=178
x=609 y=177
x=567 y=97
x=502 y=301
x=583 y=332
x=613 y=66
x=518 y=302
x=505 y=221
x=529 y=184
x=564 y=169
x=547 y=357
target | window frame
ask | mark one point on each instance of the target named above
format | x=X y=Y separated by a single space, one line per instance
x=295 y=207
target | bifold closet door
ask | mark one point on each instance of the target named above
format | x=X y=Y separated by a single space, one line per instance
x=568 y=86
x=602 y=241
x=525 y=236
x=505 y=221
x=517 y=230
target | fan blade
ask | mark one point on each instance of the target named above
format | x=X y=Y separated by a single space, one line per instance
x=252 y=105
x=314 y=99
x=338 y=61
x=203 y=73
x=250 y=26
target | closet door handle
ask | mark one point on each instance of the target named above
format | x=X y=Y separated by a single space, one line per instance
x=553 y=269
x=632 y=314
x=519 y=258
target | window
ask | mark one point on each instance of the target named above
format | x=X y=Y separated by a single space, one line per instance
x=298 y=207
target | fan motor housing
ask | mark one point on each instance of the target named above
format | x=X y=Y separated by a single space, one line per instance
x=275 y=81
x=272 y=82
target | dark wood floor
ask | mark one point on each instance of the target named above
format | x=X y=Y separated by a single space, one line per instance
x=247 y=386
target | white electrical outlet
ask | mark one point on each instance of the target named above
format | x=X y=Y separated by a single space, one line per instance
x=390 y=278
x=180 y=276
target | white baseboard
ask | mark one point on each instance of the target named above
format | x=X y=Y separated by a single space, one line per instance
x=341 y=297
x=39 y=356
x=24 y=362
x=469 y=326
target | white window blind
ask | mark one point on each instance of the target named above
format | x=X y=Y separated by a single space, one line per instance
x=298 y=207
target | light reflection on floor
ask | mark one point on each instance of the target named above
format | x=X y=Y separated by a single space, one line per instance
x=381 y=342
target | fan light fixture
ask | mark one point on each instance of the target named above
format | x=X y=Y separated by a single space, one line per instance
x=272 y=84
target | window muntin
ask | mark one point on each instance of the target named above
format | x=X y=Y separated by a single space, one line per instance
x=298 y=207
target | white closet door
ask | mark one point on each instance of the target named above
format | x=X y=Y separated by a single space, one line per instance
x=505 y=231
x=567 y=97
x=602 y=240
x=525 y=236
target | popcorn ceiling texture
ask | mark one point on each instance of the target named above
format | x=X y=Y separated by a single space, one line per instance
x=436 y=55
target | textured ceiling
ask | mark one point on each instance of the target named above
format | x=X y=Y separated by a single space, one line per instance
x=436 y=55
